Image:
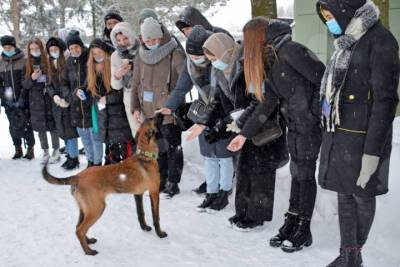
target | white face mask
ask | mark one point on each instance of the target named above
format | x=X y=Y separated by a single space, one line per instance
x=99 y=59
x=55 y=55
x=75 y=55
x=35 y=53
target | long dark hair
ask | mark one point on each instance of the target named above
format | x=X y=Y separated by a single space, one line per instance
x=60 y=65
x=43 y=58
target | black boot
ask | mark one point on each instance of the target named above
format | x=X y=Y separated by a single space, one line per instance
x=18 y=152
x=339 y=259
x=89 y=164
x=29 y=153
x=66 y=162
x=301 y=237
x=171 y=189
x=63 y=150
x=291 y=221
x=72 y=164
x=348 y=257
x=234 y=219
x=247 y=224
x=208 y=200
x=221 y=201
x=202 y=189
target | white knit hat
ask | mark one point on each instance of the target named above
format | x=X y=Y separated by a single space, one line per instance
x=151 y=29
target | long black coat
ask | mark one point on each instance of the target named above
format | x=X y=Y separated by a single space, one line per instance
x=62 y=116
x=367 y=109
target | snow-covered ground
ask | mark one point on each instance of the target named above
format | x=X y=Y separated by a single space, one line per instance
x=37 y=224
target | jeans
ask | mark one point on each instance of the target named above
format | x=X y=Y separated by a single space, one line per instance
x=71 y=146
x=55 y=142
x=356 y=215
x=93 y=145
x=219 y=174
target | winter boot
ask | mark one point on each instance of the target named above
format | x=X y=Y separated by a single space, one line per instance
x=55 y=157
x=234 y=219
x=291 y=221
x=72 y=164
x=82 y=151
x=45 y=156
x=221 y=201
x=208 y=200
x=18 y=152
x=66 y=161
x=348 y=257
x=30 y=154
x=301 y=237
x=246 y=225
x=90 y=164
x=202 y=189
x=171 y=189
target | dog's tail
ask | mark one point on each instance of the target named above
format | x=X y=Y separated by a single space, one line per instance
x=72 y=180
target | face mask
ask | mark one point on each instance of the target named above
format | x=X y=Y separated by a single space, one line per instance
x=199 y=61
x=9 y=53
x=99 y=59
x=55 y=55
x=334 y=27
x=75 y=55
x=36 y=54
x=153 y=47
x=219 y=64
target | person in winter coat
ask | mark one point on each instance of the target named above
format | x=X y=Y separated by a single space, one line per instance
x=40 y=103
x=111 y=19
x=218 y=160
x=108 y=104
x=359 y=100
x=12 y=98
x=74 y=78
x=61 y=95
x=293 y=74
x=127 y=45
x=156 y=72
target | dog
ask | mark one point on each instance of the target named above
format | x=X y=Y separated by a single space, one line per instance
x=133 y=176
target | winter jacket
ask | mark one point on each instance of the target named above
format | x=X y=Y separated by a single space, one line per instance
x=62 y=116
x=40 y=104
x=368 y=101
x=74 y=77
x=153 y=83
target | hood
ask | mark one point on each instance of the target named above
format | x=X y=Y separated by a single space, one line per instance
x=126 y=30
x=342 y=10
x=18 y=55
x=276 y=29
x=191 y=16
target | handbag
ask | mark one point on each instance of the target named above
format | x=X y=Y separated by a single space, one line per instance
x=198 y=112
x=270 y=131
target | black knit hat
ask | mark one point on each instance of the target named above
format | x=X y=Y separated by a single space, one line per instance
x=74 y=38
x=99 y=43
x=8 y=40
x=196 y=40
x=113 y=14
x=54 y=41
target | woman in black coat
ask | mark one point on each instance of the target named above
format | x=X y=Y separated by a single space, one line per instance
x=359 y=96
x=40 y=103
x=108 y=104
x=293 y=75
x=61 y=95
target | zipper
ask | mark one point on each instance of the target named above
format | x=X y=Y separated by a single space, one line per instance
x=12 y=80
x=79 y=85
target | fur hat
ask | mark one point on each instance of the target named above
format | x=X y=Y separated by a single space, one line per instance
x=8 y=40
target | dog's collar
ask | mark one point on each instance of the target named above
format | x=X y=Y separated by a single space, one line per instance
x=146 y=155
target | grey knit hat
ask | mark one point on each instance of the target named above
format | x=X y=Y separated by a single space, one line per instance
x=151 y=29
x=147 y=13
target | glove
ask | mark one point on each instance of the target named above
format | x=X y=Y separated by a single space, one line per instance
x=63 y=103
x=369 y=164
x=232 y=127
x=57 y=100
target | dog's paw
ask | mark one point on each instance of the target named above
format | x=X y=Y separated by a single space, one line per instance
x=162 y=234
x=91 y=240
x=91 y=252
x=146 y=228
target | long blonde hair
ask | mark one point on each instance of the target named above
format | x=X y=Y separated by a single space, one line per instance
x=105 y=73
x=29 y=60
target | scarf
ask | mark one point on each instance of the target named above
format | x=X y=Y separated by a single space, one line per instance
x=336 y=70
x=152 y=57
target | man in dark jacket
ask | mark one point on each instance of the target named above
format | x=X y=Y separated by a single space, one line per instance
x=110 y=20
x=359 y=100
x=12 y=63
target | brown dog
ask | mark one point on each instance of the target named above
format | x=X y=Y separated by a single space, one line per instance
x=134 y=175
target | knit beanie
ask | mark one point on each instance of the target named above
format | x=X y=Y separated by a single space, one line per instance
x=99 y=43
x=147 y=13
x=54 y=41
x=73 y=38
x=113 y=14
x=151 y=29
x=8 y=40
x=196 y=40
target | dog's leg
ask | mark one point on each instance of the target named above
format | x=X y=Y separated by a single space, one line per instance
x=155 y=203
x=140 y=213
x=88 y=240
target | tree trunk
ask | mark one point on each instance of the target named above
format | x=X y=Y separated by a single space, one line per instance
x=93 y=11
x=15 y=7
x=384 y=8
x=266 y=8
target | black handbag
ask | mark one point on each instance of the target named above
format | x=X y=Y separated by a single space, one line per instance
x=198 y=112
x=270 y=131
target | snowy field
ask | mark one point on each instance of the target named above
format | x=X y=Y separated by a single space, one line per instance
x=37 y=224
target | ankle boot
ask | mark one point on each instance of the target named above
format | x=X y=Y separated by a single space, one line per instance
x=18 y=152
x=29 y=153
x=301 y=236
x=348 y=257
x=72 y=164
x=208 y=200
x=291 y=221
x=221 y=201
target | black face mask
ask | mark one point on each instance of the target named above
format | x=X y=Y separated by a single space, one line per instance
x=107 y=32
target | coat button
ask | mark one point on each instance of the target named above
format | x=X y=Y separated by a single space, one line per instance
x=351 y=97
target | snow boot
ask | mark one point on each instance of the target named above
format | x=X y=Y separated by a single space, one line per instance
x=348 y=257
x=208 y=200
x=73 y=163
x=246 y=225
x=18 y=152
x=221 y=201
x=301 y=237
x=171 y=189
x=66 y=161
x=202 y=189
x=291 y=221
x=30 y=154
x=55 y=157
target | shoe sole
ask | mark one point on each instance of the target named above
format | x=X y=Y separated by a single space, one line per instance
x=201 y=210
x=295 y=249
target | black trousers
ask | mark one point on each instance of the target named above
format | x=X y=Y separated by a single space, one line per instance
x=20 y=127
x=170 y=158
x=356 y=215
x=303 y=189
x=119 y=151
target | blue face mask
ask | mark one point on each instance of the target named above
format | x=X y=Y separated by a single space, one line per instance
x=219 y=64
x=9 y=53
x=334 y=27
x=55 y=55
x=199 y=60
x=153 y=47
